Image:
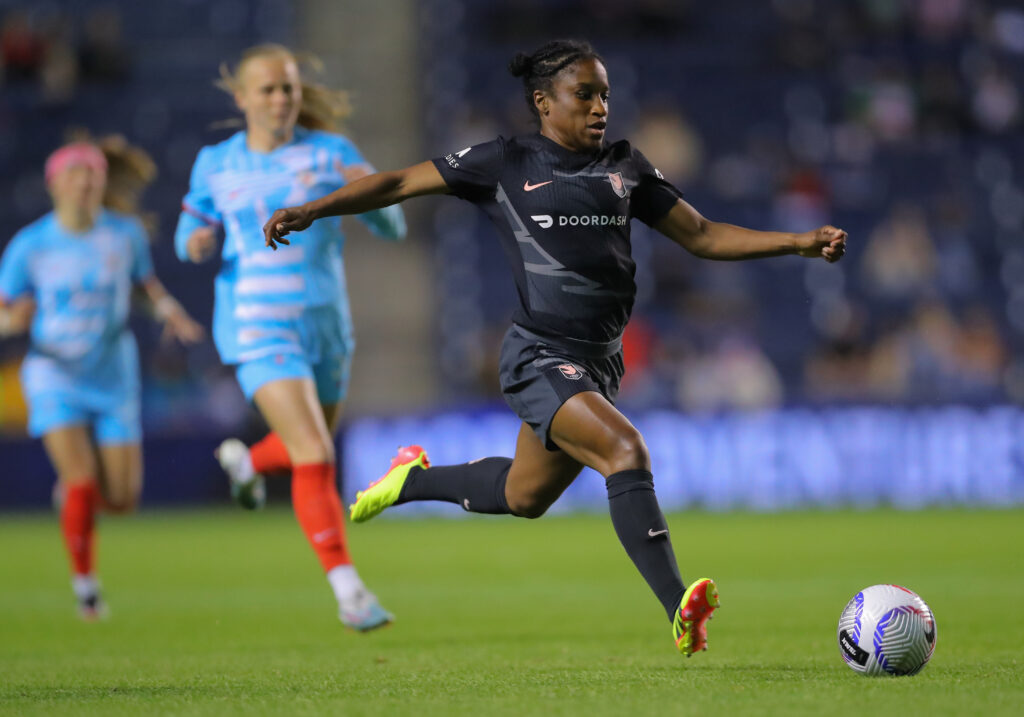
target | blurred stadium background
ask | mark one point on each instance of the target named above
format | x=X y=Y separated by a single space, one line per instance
x=895 y=376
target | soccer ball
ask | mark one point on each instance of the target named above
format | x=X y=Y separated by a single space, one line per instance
x=886 y=629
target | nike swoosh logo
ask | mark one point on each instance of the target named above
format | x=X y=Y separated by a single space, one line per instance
x=527 y=187
x=324 y=535
x=655 y=533
x=465 y=503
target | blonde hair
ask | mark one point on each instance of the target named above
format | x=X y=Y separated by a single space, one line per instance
x=322 y=107
x=130 y=170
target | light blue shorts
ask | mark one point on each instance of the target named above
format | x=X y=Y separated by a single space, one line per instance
x=58 y=398
x=330 y=375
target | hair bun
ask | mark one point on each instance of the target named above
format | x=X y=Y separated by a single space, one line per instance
x=520 y=65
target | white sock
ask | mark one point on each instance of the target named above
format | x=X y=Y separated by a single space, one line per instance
x=345 y=582
x=85 y=586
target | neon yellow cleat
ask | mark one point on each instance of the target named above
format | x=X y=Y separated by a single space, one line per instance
x=384 y=491
x=689 y=628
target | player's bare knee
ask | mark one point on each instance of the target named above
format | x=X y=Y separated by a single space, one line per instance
x=531 y=508
x=120 y=502
x=628 y=453
x=312 y=450
x=527 y=504
x=78 y=477
x=121 y=505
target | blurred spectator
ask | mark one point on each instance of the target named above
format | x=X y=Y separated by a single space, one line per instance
x=735 y=375
x=996 y=101
x=889 y=104
x=21 y=49
x=939 y=20
x=669 y=141
x=59 y=71
x=103 y=55
x=934 y=352
x=899 y=260
x=982 y=354
x=638 y=345
x=942 y=102
x=802 y=203
x=840 y=368
x=889 y=365
x=957 y=265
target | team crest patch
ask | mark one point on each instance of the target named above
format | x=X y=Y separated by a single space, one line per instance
x=615 y=178
x=570 y=372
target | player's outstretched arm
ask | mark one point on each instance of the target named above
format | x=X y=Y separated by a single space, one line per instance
x=373 y=192
x=177 y=323
x=714 y=240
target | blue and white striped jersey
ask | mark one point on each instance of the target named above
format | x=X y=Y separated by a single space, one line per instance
x=261 y=295
x=81 y=283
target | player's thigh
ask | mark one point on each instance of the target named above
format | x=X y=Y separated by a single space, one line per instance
x=121 y=475
x=537 y=476
x=333 y=413
x=591 y=430
x=331 y=377
x=292 y=409
x=72 y=452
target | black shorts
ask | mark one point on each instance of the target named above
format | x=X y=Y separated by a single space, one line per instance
x=538 y=374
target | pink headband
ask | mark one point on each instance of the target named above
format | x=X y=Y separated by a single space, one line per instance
x=78 y=153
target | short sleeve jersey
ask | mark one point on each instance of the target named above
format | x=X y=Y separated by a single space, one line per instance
x=81 y=283
x=257 y=289
x=564 y=222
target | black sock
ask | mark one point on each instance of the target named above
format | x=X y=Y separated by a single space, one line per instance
x=478 y=487
x=643 y=532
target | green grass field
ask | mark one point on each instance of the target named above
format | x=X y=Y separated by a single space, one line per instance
x=226 y=612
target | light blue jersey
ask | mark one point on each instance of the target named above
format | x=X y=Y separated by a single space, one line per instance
x=290 y=303
x=82 y=362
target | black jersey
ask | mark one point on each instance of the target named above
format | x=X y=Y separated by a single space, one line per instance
x=564 y=221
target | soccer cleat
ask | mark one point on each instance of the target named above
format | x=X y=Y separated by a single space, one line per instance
x=689 y=627
x=248 y=489
x=363 y=612
x=91 y=608
x=384 y=491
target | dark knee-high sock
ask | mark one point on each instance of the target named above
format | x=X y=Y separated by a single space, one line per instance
x=478 y=487
x=643 y=532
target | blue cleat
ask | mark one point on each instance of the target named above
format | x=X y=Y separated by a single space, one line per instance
x=363 y=612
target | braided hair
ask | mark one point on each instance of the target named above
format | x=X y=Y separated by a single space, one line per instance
x=540 y=68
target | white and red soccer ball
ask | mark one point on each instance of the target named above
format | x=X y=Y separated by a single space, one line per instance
x=886 y=630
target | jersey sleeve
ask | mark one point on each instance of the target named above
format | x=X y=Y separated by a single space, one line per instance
x=197 y=208
x=15 y=280
x=653 y=196
x=142 y=258
x=473 y=173
x=389 y=222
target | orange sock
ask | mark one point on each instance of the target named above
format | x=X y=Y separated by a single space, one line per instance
x=269 y=455
x=77 y=520
x=318 y=507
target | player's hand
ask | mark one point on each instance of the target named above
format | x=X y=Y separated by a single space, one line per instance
x=827 y=242
x=201 y=245
x=179 y=325
x=284 y=222
x=16 y=317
